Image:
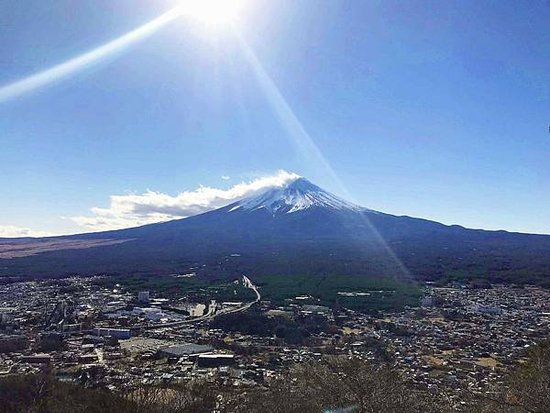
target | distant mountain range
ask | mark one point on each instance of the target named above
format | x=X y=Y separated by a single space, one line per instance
x=291 y=230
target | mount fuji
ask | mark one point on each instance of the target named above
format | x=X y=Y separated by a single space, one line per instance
x=296 y=229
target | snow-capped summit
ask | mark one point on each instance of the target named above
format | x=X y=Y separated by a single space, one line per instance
x=297 y=195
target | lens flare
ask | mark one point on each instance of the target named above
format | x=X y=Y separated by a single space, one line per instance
x=87 y=59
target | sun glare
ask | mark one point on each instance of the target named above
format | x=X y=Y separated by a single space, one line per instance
x=213 y=12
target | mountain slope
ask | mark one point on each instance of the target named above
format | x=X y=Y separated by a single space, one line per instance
x=296 y=229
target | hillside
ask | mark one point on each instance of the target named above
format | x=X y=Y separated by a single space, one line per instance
x=298 y=229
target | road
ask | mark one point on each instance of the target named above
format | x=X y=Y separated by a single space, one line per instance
x=248 y=284
x=213 y=314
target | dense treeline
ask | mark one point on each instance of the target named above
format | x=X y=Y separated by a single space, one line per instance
x=336 y=384
x=43 y=394
x=255 y=323
x=458 y=255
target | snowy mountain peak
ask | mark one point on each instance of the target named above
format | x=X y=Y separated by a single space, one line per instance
x=295 y=196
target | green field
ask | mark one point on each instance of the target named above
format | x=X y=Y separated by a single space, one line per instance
x=384 y=293
x=196 y=289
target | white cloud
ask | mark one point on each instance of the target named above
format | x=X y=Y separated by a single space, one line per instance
x=225 y=177
x=12 y=231
x=133 y=210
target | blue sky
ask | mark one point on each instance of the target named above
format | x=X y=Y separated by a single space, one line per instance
x=425 y=108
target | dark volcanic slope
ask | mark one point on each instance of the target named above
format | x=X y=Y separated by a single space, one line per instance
x=299 y=229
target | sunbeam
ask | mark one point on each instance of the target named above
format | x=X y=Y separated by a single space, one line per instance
x=301 y=139
x=87 y=59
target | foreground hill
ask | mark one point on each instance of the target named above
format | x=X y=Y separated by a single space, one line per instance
x=296 y=229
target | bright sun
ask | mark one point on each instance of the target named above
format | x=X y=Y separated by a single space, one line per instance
x=212 y=12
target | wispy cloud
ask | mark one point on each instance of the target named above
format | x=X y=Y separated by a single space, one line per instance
x=12 y=231
x=225 y=177
x=132 y=210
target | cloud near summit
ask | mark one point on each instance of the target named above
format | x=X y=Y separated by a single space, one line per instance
x=133 y=210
